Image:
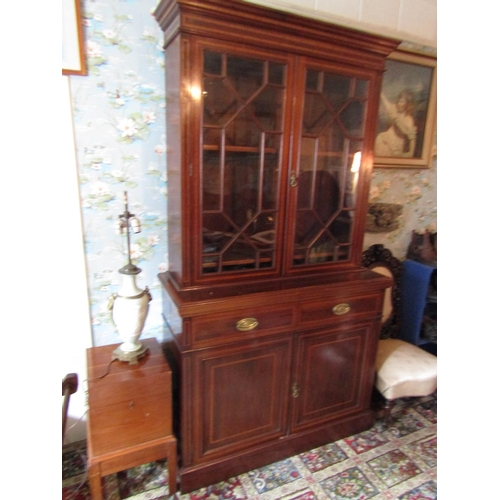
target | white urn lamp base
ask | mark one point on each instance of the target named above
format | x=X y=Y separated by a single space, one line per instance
x=129 y=310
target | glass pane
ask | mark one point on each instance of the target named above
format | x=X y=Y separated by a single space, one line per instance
x=352 y=174
x=244 y=130
x=270 y=182
x=361 y=89
x=336 y=89
x=263 y=229
x=341 y=227
x=217 y=234
x=316 y=115
x=239 y=256
x=267 y=259
x=220 y=103
x=308 y=155
x=246 y=75
x=242 y=141
x=332 y=140
x=332 y=134
x=211 y=138
x=352 y=118
x=268 y=110
x=212 y=63
x=276 y=73
x=272 y=143
x=212 y=189
x=312 y=80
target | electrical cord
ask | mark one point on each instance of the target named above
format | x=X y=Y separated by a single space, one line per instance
x=102 y=376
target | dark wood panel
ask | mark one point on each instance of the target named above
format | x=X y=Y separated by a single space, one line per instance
x=242 y=394
x=232 y=464
x=154 y=381
x=222 y=328
x=328 y=376
x=320 y=312
x=238 y=20
x=174 y=153
x=135 y=421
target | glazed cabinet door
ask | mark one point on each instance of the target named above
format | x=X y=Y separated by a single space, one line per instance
x=240 y=397
x=332 y=115
x=244 y=129
x=330 y=378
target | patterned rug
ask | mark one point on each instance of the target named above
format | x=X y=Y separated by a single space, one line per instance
x=386 y=462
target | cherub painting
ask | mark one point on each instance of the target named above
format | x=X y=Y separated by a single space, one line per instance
x=407 y=106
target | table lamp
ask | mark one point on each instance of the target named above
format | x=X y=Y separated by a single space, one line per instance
x=129 y=307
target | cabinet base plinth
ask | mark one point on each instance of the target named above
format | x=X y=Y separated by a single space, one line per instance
x=193 y=478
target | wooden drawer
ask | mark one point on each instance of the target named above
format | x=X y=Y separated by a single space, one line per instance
x=112 y=382
x=213 y=329
x=118 y=387
x=132 y=422
x=337 y=310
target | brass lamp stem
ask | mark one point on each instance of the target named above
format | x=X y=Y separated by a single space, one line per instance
x=126 y=216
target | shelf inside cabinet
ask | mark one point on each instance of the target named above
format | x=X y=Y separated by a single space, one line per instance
x=238 y=149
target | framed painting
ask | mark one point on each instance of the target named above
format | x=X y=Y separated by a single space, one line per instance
x=407 y=112
x=73 y=58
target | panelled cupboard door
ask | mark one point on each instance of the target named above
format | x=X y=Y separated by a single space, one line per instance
x=328 y=375
x=243 y=119
x=241 y=396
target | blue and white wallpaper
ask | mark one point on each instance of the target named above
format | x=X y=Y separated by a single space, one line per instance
x=119 y=119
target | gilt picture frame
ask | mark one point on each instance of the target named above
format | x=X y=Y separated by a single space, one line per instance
x=73 y=54
x=406 y=118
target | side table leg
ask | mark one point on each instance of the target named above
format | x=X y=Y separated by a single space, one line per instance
x=172 y=467
x=95 y=481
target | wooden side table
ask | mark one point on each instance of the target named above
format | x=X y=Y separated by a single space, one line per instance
x=130 y=414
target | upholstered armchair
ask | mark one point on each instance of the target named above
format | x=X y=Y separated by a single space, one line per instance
x=402 y=369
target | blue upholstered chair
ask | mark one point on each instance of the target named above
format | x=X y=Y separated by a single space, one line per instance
x=402 y=368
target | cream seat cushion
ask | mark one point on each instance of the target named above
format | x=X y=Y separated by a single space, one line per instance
x=404 y=370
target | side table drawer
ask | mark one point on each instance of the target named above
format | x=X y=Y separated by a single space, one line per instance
x=235 y=325
x=119 y=387
x=129 y=423
x=337 y=310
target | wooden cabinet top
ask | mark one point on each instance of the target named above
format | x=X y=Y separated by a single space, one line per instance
x=272 y=29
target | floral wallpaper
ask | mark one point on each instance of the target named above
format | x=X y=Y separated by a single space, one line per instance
x=416 y=191
x=119 y=118
x=119 y=121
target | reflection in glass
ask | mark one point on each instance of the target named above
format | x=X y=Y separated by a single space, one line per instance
x=242 y=139
x=332 y=133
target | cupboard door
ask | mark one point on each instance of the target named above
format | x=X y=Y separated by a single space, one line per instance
x=329 y=374
x=241 y=396
x=331 y=136
x=244 y=144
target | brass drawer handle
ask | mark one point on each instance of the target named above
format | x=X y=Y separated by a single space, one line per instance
x=246 y=324
x=341 y=309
